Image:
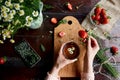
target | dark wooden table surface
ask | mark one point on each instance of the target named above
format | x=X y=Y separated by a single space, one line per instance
x=14 y=69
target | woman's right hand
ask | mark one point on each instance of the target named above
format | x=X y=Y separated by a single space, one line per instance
x=92 y=48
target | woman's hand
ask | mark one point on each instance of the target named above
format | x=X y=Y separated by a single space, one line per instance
x=61 y=60
x=92 y=48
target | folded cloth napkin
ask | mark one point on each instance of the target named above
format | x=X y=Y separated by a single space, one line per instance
x=113 y=10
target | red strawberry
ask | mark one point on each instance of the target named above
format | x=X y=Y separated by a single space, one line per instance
x=83 y=34
x=97 y=17
x=97 y=10
x=61 y=34
x=93 y=17
x=2 y=60
x=105 y=21
x=54 y=20
x=92 y=43
x=103 y=12
x=69 y=6
x=114 y=50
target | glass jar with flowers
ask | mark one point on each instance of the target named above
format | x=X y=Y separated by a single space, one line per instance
x=17 y=14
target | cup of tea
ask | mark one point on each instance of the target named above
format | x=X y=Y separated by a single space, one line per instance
x=71 y=50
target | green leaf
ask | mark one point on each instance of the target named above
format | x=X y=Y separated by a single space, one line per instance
x=42 y=48
x=63 y=21
x=100 y=55
x=46 y=7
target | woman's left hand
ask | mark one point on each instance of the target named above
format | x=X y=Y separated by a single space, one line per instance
x=61 y=60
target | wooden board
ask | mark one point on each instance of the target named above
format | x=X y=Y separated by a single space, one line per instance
x=71 y=29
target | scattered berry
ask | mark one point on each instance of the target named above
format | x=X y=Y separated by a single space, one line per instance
x=83 y=34
x=69 y=6
x=92 y=43
x=114 y=50
x=54 y=20
x=61 y=34
x=2 y=60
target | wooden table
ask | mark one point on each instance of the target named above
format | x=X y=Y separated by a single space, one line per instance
x=14 y=69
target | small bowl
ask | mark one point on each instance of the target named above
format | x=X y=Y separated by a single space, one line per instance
x=91 y=13
x=71 y=50
x=91 y=20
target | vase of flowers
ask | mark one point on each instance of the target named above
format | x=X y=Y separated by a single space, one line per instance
x=17 y=14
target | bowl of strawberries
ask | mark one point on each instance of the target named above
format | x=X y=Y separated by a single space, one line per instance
x=99 y=16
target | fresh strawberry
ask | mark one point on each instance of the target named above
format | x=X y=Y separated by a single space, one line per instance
x=103 y=12
x=83 y=34
x=105 y=21
x=114 y=50
x=61 y=34
x=54 y=20
x=84 y=40
x=97 y=17
x=69 y=6
x=2 y=60
x=92 y=43
x=97 y=10
x=93 y=17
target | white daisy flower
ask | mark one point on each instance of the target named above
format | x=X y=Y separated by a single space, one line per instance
x=7 y=9
x=13 y=12
x=28 y=24
x=6 y=34
x=7 y=3
x=29 y=19
x=1 y=42
x=12 y=40
x=10 y=16
x=3 y=8
x=4 y=14
x=35 y=13
x=21 y=12
x=17 y=6
x=21 y=1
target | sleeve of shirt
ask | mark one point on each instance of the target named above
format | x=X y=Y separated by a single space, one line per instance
x=87 y=76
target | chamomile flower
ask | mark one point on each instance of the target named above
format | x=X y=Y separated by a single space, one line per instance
x=4 y=14
x=6 y=34
x=12 y=40
x=3 y=8
x=35 y=13
x=13 y=12
x=21 y=12
x=29 y=19
x=1 y=42
x=7 y=3
x=7 y=9
x=21 y=1
x=10 y=16
x=17 y=6
x=28 y=24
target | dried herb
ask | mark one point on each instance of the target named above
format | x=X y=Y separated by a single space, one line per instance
x=63 y=21
x=107 y=66
x=102 y=58
x=47 y=7
x=42 y=47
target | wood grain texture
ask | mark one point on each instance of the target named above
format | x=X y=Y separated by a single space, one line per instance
x=71 y=30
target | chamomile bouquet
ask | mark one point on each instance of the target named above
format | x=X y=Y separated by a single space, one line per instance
x=16 y=14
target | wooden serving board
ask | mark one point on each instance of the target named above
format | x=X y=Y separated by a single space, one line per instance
x=71 y=29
